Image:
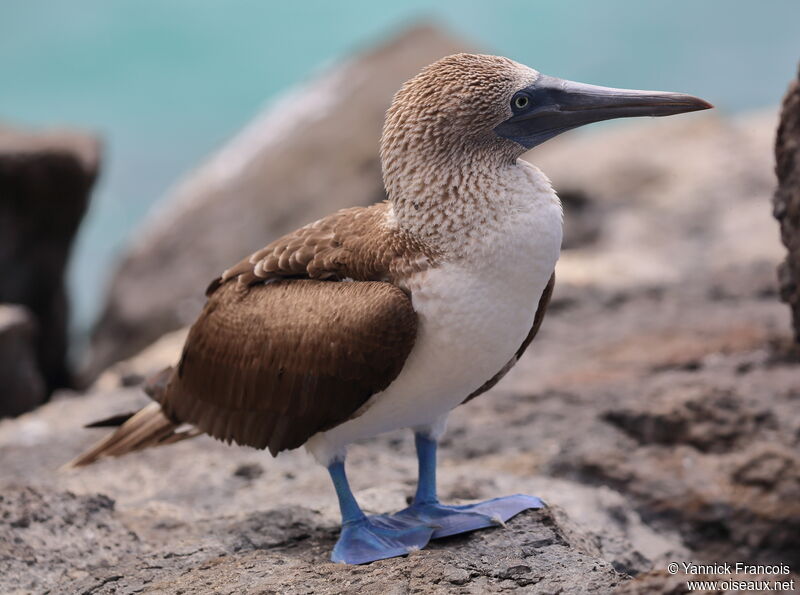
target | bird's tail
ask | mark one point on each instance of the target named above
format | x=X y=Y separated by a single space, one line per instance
x=143 y=429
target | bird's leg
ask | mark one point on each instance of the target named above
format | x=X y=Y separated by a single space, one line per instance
x=426 y=460
x=451 y=520
x=366 y=539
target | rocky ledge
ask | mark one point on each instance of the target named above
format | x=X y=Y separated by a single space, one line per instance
x=658 y=423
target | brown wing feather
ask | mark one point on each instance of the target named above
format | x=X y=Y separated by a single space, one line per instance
x=544 y=301
x=270 y=365
x=352 y=243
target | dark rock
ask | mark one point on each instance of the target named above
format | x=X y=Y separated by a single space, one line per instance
x=272 y=178
x=786 y=203
x=249 y=471
x=132 y=380
x=711 y=421
x=22 y=385
x=772 y=468
x=45 y=184
x=582 y=219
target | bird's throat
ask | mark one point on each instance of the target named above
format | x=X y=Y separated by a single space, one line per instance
x=452 y=206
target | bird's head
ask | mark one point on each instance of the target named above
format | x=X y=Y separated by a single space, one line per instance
x=466 y=104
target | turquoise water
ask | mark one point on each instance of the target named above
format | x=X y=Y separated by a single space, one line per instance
x=165 y=82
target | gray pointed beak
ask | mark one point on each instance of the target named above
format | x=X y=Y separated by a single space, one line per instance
x=551 y=106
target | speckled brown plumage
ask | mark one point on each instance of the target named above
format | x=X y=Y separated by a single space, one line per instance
x=438 y=144
x=358 y=243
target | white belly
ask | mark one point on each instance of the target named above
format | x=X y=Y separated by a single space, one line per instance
x=473 y=316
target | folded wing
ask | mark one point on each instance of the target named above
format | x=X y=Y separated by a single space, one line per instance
x=271 y=364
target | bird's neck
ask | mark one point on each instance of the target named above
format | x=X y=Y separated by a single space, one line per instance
x=448 y=202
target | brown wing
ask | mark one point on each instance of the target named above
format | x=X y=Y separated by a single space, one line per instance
x=537 y=322
x=354 y=243
x=272 y=364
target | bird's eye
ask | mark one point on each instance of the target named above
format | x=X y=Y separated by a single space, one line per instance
x=521 y=101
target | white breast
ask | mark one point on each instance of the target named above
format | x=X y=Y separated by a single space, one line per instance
x=474 y=314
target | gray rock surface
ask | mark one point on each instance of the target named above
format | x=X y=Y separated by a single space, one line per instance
x=313 y=151
x=787 y=199
x=22 y=385
x=281 y=551
x=45 y=184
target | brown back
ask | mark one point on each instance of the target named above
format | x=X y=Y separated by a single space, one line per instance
x=352 y=243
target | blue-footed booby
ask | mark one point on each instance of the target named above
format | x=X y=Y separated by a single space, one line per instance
x=389 y=316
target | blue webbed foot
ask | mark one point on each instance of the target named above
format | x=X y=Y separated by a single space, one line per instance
x=379 y=537
x=452 y=520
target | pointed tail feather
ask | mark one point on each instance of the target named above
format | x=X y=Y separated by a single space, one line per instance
x=114 y=421
x=148 y=427
x=145 y=428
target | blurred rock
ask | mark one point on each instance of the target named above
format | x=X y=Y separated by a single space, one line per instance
x=310 y=153
x=22 y=385
x=45 y=184
x=787 y=199
x=669 y=198
x=165 y=351
x=710 y=421
x=583 y=219
x=708 y=449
